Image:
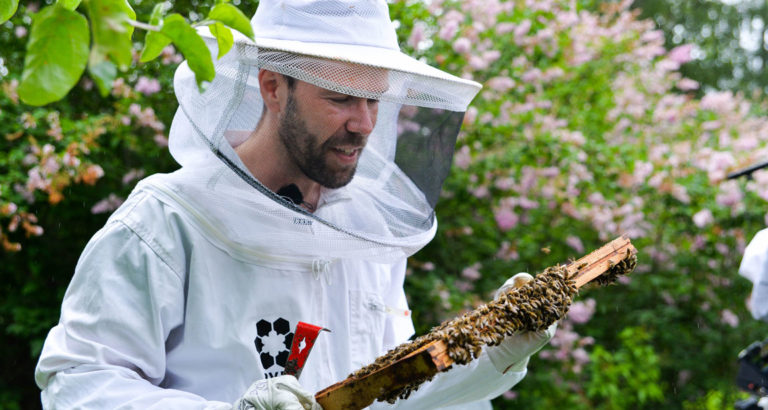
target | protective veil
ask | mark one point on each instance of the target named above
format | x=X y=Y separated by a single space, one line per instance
x=351 y=49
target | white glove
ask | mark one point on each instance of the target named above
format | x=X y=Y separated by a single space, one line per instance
x=513 y=353
x=763 y=403
x=279 y=393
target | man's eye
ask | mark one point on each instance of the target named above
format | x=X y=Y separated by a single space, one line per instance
x=340 y=99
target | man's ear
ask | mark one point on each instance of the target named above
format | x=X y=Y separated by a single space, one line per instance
x=269 y=86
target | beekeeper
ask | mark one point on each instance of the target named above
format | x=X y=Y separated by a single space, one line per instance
x=754 y=266
x=310 y=169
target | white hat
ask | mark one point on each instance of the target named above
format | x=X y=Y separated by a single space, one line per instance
x=355 y=31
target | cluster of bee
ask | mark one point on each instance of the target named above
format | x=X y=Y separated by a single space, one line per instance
x=532 y=307
x=615 y=270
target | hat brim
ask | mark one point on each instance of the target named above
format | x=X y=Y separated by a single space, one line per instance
x=365 y=55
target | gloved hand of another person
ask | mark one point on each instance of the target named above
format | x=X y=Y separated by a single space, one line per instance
x=513 y=353
x=279 y=393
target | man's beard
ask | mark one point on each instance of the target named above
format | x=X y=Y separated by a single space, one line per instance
x=311 y=157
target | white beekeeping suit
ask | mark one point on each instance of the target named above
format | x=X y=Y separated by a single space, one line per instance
x=191 y=291
x=754 y=266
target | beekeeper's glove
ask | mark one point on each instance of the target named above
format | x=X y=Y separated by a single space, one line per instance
x=279 y=393
x=513 y=353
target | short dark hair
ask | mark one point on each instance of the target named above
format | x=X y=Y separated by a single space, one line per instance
x=290 y=80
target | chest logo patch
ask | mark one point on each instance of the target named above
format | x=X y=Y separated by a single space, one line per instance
x=273 y=343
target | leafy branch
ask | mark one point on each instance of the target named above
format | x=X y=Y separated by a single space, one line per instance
x=71 y=36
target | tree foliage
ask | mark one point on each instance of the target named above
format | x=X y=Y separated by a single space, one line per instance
x=731 y=39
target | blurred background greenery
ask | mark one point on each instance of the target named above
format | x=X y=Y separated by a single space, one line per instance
x=596 y=119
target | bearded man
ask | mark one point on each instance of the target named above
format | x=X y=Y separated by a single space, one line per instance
x=310 y=170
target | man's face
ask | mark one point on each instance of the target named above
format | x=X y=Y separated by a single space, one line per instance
x=324 y=132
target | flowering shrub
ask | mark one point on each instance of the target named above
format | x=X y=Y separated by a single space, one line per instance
x=584 y=131
x=64 y=167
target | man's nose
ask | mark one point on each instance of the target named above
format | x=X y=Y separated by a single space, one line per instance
x=363 y=116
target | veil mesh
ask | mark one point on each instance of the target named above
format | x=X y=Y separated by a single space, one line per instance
x=386 y=211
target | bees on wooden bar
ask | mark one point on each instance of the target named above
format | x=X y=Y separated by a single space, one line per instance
x=532 y=307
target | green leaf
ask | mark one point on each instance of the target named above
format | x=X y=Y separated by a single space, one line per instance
x=57 y=53
x=231 y=16
x=111 y=32
x=69 y=4
x=103 y=72
x=223 y=37
x=191 y=45
x=7 y=9
x=154 y=43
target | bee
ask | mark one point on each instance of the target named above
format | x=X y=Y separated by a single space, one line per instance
x=534 y=307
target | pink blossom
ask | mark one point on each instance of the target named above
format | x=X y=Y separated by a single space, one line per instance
x=491 y=55
x=703 y=218
x=652 y=36
x=580 y=355
x=509 y=395
x=462 y=45
x=506 y=219
x=596 y=199
x=680 y=54
x=581 y=312
x=575 y=243
x=481 y=192
x=686 y=84
x=504 y=28
x=501 y=84
x=161 y=140
x=107 y=204
x=132 y=175
x=523 y=28
x=134 y=109
x=730 y=194
x=120 y=88
x=471 y=273
x=169 y=56
x=507 y=252
x=70 y=160
x=20 y=31
x=642 y=170
x=478 y=63
x=729 y=318
x=463 y=158
x=718 y=101
x=50 y=166
x=531 y=75
x=418 y=34
x=463 y=286
x=147 y=86
x=504 y=184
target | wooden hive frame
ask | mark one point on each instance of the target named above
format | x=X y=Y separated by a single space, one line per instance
x=426 y=361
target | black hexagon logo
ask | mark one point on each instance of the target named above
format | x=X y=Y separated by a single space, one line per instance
x=273 y=344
